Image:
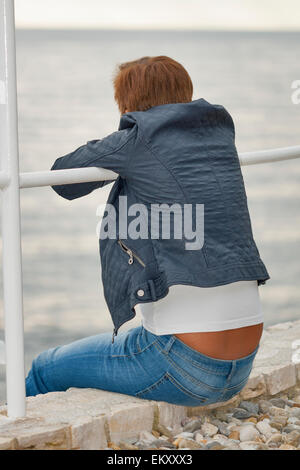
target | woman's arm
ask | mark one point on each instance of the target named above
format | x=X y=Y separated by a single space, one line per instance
x=111 y=152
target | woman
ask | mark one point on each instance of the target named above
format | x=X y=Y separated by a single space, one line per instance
x=199 y=301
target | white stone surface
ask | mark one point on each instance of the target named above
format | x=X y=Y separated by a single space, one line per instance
x=91 y=419
x=89 y=433
x=170 y=415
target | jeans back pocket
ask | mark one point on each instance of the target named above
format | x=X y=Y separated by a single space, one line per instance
x=168 y=389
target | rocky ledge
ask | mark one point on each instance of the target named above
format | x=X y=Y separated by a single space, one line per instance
x=264 y=415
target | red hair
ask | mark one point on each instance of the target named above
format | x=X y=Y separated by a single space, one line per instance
x=151 y=81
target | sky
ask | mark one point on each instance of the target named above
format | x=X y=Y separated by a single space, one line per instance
x=159 y=14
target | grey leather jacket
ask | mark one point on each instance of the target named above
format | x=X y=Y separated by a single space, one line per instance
x=183 y=154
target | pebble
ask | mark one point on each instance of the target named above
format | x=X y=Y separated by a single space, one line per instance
x=264 y=428
x=240 y=413
x=198 y=437
x=192 y=426
x=275 y=411
x=286 y=447
x=222 y=427
x=279 y=402
x=214 y=445
x=234 y=435
x=275 y=438
x=189 y=444
x=291 y=427
x=292 y=438
x=295 y=412
x=258 y=424
x=253 y=445
x=185 y=435
x=248 y=433
x=264 y=406
x=209 y=429
x=252 y=408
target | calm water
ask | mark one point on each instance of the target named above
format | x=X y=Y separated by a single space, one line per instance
x=65 y=98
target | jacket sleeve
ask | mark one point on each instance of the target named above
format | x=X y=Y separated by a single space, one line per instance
x=111 y=152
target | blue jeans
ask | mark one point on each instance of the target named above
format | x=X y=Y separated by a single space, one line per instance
x=141 y=364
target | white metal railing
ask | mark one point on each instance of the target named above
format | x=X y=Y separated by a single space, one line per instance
x=11 y=181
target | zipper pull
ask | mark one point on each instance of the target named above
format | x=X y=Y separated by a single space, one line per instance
x=113 y=336
x=130 y=261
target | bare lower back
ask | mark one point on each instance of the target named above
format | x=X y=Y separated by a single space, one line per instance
x=227 y=344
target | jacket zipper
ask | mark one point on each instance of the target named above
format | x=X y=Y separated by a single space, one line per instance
x=130 y=253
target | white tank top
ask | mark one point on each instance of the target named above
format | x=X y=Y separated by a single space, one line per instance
x=188 y=309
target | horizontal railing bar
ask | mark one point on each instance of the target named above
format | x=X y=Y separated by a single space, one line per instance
x=267 y=156
x=85 y=175
x=72 y=175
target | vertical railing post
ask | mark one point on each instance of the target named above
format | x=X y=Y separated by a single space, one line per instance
x=11 y=223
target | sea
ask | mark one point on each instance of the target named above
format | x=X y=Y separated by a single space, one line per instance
x=65 y=98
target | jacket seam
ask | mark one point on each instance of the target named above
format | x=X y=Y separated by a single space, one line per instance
x=165 y=167
x=110 y=152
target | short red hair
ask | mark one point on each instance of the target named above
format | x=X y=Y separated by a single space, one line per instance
x=151 y=81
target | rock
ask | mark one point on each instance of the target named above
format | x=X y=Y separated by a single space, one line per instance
x=192 y=426
x=295 y=412
x=286 y=447
x=275 y=438
x=112 y=445
x=221 y=415
x=232 y=445
x=278 y=402
x=209 y=429
x=248 y=433
x=234 y=435
x=263 y=416
x=127 y=446
x=198 y=437
x=279 y=419
x=249 y=406
x=214 y=445
x=162 y=442
x=264 y=428
x=234 y=420
x=293 y=420
x=222 y=427
x=189 y=444
x=290 y=428
x=292 y=438
x=221 y=438
x=276 y=425
x=251 y=420
x=253 y=445
x=264 y=406
x=147 y=437
x=163 y=430
x=240 y=413
x=275 y=411
x=296 y=399
x=185 y=435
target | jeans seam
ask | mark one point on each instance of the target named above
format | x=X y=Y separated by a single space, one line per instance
x=152 y=386
x=185 y=390
x=189 y=377
x=182 y=356
x=176 y=384
x=132 y=354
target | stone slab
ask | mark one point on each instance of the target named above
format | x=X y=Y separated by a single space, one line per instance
x=90 y=419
